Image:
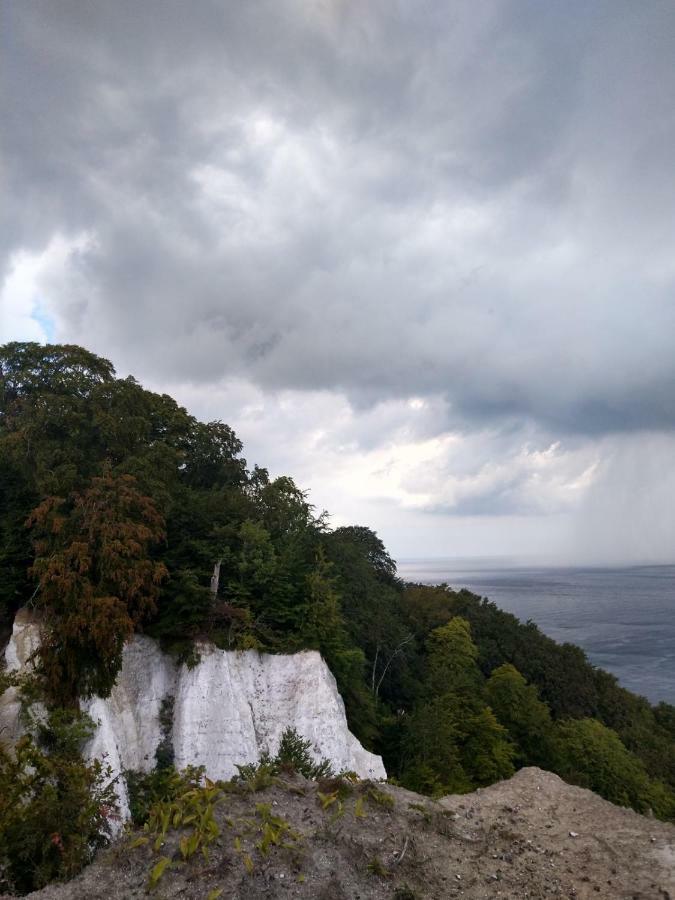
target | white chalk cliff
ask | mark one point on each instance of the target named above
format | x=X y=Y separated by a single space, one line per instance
x=227 y=710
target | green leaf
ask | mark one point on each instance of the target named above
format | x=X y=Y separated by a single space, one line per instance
x=193 y=843
x=327 y=799
x=139 y=842
x=158 y=870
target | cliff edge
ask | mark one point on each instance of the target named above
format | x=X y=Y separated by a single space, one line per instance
x=224 y=711
x=528 y=838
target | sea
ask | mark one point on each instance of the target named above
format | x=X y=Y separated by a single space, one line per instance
x=624 y=618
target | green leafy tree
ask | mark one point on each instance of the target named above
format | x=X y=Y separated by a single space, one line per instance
x=46 y=413
x=427 y=607
x=487 y=752
x=455 y=744
x=433 y=759
x=185 y=609
x=365 y=577
x=469 y=747
x=256 y=569
x=592 y=755
x=283 y=508
x=324 y=628
x=452 y=659
x=519 y=709
x=368 y=547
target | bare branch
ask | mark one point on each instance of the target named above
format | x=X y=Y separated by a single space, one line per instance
x=398 y=650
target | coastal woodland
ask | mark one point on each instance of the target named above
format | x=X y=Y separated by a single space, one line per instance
x=120 y=512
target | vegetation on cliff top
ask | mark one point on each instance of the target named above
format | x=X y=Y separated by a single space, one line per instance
x=120 y=511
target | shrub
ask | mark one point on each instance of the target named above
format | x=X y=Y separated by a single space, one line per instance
x=376 y=796
x=160 y=786
x=405 y=893
x=55 y=809
x=260 y=775
x=377 y=867
x=191 y=811
x=292 y=756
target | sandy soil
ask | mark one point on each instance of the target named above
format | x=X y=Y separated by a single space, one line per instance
x=530 y=837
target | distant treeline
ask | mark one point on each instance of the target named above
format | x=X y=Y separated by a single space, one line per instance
x=119 y=511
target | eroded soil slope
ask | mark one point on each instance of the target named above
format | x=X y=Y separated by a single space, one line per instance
x=530 y=837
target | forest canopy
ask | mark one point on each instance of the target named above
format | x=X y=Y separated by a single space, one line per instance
x=119 y=512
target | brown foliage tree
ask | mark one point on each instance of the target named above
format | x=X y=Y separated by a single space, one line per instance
x=96 y=581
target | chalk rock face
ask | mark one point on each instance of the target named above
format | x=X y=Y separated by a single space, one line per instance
x=234 y=705
x=227 y=710
x=129 y=731
x=23 y=644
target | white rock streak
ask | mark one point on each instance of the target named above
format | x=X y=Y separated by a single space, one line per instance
x=228 y=709
x=24 y=642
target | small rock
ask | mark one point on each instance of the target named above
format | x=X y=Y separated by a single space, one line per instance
x=574 y=834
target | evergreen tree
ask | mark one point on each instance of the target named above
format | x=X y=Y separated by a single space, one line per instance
x=96 y=581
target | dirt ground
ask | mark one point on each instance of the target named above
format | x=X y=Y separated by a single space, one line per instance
x=532 y=836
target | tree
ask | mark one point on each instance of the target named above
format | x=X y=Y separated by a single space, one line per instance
x=452 y=737
x=455 y=744
x=365 y=577
x=487 y=753
x=283 y=508
x=591 y=755
x=96 y=581
x=211 y=454
x=323 y=627
x=16 y=498
x=452 y=657
x=519 y=709
x=46 y=413
x=256 y=567
x=370 y=547
x=433 y=763
x=427 y=607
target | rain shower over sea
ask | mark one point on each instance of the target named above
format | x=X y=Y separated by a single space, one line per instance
x=624 y=618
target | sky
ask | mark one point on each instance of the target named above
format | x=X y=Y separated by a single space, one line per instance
x=419 y=255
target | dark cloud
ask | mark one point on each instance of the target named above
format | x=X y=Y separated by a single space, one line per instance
x=468 y=200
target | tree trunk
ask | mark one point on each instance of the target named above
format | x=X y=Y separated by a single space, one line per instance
x=215 y=579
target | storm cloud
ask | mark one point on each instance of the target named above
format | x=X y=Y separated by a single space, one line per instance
x=420 y=255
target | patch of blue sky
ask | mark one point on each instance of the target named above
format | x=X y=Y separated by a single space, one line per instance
x=44 y=320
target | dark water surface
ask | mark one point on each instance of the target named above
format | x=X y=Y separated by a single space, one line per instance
x=623 y=618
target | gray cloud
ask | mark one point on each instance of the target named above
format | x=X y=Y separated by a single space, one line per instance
x=471 y=203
